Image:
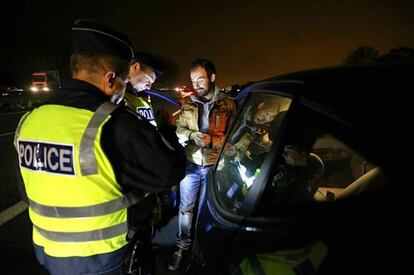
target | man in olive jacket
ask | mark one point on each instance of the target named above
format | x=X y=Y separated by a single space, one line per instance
x=202 y=124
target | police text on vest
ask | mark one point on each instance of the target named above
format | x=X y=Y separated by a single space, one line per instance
x=48 y=157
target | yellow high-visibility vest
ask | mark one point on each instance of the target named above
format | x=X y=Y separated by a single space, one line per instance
x=141 y=106
x=75 y=204
x=305 y=260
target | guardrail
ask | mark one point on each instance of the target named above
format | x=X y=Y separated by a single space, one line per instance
x=26 y=101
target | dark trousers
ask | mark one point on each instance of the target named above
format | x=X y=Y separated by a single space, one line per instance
x=101 y=264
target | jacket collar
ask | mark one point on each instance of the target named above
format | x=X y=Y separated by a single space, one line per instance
x=216 y=96
x=131 y=90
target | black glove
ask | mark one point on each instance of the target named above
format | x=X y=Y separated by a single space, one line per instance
x=168 y=131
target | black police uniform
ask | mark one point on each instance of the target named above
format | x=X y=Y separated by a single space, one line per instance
x=126 y=138
x=139 y=157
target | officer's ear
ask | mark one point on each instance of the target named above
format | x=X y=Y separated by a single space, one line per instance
x=135 y=67
x=110 y=79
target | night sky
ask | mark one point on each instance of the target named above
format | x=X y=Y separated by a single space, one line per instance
x=247 y=40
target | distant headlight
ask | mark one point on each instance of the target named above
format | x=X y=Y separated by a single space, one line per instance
x=46 y=89
x=34 y=89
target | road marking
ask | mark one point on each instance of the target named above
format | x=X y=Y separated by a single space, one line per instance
x=12 y=212
x=7 y=134
x=12 y=113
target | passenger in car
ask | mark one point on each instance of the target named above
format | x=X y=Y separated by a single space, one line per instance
x=298 y=178
x=252 y=143
x=252 y=138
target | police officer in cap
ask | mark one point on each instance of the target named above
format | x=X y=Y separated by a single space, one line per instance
x=88 y=165
x=144 y=70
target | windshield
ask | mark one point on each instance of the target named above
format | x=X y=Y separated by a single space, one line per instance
x=39 y=78
x=248 y=144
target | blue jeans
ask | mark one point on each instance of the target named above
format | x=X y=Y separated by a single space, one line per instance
x=192 y=187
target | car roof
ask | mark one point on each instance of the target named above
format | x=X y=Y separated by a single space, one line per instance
x=369 y=99
x=341 y=87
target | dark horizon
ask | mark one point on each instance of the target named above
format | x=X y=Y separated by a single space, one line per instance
x=246 y=40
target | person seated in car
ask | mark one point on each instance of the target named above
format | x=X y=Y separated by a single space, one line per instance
x=298 y=178
x=252 y=139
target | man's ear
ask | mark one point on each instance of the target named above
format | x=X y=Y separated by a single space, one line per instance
x=134 y=68
x=213 y=77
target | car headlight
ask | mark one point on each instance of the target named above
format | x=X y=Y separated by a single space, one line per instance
x=46 y=89
x=34 y=89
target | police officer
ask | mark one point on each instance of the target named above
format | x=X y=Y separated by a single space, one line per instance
x=144 y=70
x=88 y=164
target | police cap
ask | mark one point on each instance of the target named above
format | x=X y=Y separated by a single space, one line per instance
x=89 y=36
x=149 y=60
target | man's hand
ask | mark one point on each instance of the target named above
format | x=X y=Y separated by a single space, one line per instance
x=200 y=139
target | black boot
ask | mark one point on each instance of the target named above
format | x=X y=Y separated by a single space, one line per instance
x=179 y=260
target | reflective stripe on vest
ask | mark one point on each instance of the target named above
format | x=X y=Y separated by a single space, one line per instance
x=86 y=152
x=88 y=211
x=88 y=236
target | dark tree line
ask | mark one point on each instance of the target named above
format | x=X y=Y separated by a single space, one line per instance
x=360 y=56
x=366 y=55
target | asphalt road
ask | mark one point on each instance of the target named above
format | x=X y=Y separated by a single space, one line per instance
x=16 y=253
x=17 y=256
x=8 y=159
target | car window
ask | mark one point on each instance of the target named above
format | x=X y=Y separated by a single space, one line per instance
x=317 y=168
x=346 y=171
x=246 y=147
